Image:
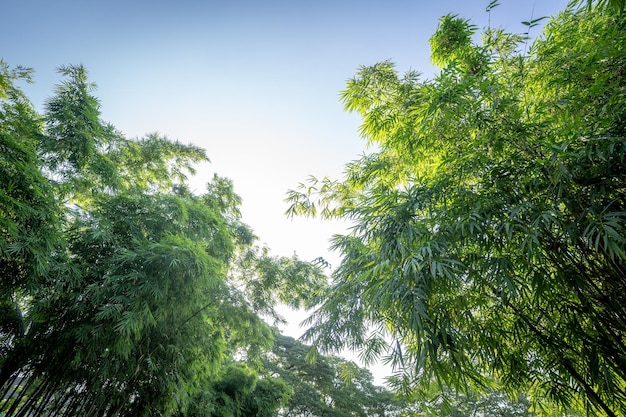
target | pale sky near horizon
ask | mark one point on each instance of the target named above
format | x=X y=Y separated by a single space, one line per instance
x=255 y=83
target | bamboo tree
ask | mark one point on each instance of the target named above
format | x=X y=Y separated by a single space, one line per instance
x=488 y=232
x=138 y=292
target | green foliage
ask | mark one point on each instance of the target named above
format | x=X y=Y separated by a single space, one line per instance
x=28 y=208
x=609 y=5
x=489 y=227
x=240 y=392
x=489 y=404
x=327 y=386
x=452 y=41
x=134 y=296
x=85 y=155
x=73 y=125
x=135 y=306
x=295 y=283
x=29 y=213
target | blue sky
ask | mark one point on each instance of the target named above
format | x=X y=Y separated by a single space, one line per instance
x=255 y=83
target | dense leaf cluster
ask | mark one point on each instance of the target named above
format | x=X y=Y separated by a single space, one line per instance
x=328 y=386
x=122 y=293
x=489 y=222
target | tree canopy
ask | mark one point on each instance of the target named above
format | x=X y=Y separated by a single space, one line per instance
x=488 y=239
x=122 y=293
x=328 y=385
x=486 y=256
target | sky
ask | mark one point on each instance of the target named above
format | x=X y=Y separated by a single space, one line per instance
x=255 y=83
